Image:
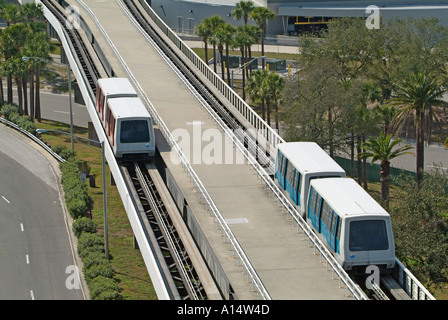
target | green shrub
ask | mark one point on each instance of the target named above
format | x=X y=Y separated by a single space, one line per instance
x=88 y=250
x=84 y=224
x=77 y=207
x=64 y=152
x=8 y=110
x=76 y=194
x=76 y=190
x=68 y=154
x=103 y=288
x=96 y=270
x=87 y=240
x=94 y=258
x=26 y=124
x=14 y=117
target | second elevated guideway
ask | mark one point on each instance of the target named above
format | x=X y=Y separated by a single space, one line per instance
x=286 y=265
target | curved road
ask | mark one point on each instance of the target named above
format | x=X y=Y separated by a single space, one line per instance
x=36 y=256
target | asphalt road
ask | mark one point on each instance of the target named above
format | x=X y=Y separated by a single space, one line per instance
x=56 y=107
x=36 y=256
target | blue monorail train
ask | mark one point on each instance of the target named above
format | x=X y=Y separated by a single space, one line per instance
x=353 y=226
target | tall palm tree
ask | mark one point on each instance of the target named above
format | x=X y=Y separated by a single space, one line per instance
x=254 y=85
x=215 y=21
x=12 y=40
x=31 y=12
x=204 y=30
x=266 y=86
x=10 y=13
x=260 y=15
x=417 y=97
x=382 y=148
x=224 y=37
x=273 y=87
x=253 y=32
x=242 y=10
x=386 y=114
x=241 y=40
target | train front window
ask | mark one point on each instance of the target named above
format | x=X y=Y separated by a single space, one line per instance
x=134 y=131
x=368 y=235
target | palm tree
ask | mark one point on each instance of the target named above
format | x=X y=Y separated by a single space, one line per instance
x=204 y=31
x=260 y=15
x=31 y=12
x=253 y=33
x=266 y=86
x=381 y=148
x=241 y=40
x=242 y=10
x=12 y=40
x=254 y=85
x=224 y=37
x=10 y=13
x=417 y=97
x=273 y=87
x=386 y=114
x=215 y=21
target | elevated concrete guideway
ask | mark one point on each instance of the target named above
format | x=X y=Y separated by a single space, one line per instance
x=286 y=265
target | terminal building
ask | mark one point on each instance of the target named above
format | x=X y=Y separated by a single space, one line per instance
x=292 y=16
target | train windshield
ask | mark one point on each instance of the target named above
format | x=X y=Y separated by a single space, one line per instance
x=368 y=235
x=134 y=131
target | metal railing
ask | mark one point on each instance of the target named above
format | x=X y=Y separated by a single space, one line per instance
x=410 y=284
x=34 y=138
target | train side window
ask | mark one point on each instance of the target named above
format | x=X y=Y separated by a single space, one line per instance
x=325 y=213
x=107 y=121
x=297 y=182
x=280 y=162
x=338 y=226
x=292 y=175
x=312 y=199
x=318 y=205
x=101 y=107
x=98 y=97
x=110 y=121
x=334 y=217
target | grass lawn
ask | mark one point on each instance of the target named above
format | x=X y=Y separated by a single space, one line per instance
x=131 y=272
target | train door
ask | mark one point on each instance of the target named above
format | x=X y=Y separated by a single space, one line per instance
x=290 y=179
x=280 y=169
x=314 y=208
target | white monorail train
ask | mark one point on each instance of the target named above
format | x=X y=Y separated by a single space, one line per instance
x=355 y=228
x=125 y=119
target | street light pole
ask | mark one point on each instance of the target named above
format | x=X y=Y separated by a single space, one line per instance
x=69 y=90
x=103 y=158
x=106 y=240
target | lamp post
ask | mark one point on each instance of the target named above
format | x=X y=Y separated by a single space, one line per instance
x=69 y=89
x=106 y=242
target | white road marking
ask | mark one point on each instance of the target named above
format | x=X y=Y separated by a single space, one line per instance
x=21 y=227
x=32 y=294
x=5 y=199
x=27 y=259
x=64 y=112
